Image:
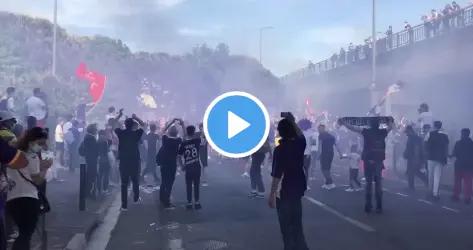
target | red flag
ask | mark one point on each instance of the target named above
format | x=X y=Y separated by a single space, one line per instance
x=96 y=81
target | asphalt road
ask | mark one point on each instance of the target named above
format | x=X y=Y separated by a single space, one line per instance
x=333 y=220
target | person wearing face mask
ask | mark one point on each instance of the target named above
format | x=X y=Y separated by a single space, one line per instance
x=22 y=199
x=89 y=149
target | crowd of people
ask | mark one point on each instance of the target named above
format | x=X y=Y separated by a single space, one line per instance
x=126 y=149
x=435 y=23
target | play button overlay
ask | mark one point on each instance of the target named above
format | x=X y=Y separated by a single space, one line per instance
x=236 y=124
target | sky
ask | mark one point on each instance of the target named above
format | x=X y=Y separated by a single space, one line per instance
x=302 y=30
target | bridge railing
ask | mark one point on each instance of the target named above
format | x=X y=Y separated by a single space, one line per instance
x=404 y=38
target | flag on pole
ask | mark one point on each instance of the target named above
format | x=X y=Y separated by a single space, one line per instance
x=96 y=82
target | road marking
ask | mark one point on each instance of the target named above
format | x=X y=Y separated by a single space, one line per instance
x=403 y=195
x=354 y=222
x=101 y=236
x=451 y=209
x=425 y=201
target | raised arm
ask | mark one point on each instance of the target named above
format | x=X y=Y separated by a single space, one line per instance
x=136 y=118
x=168 y=126
x=355 y=129
x=120 y=114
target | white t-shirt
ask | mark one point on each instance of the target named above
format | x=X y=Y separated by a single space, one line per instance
x=354 y=160
x=59 y=133
x=36 y=107
x=426 y=118
x=310 y=138
x=11 y=104
x=20 y=188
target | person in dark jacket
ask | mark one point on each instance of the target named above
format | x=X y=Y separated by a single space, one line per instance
x=104 y=162
x=414 y=154
x=437 y=153
x=463 y=152
x=90 y=151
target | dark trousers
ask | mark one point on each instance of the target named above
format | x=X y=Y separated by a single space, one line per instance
x=373 y=171
x=354 y=182
x=307 y=167
x=129 y=172
x=25 y=213
x=104 y=176
x=326 y=165
x=193 y=183
x=168 y=175
x=290 y=221
x=465 y=177
x=256 y=178
x=91 y=181
x=3 y=233
x=413 y=171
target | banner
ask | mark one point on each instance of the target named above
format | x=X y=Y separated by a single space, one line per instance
x=365 y=121
x=96 y=82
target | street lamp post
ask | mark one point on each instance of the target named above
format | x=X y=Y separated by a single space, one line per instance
x=53 y=69
x=373 y=60
x=261 y=30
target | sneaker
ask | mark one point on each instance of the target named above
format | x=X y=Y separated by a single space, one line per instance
x=189 y=206
x=197 y=206
x=324 y=186
x=245 y=175
x=359 y=189
x=331 y=186
x=137 y=200
x=170 y=207
x=205 y=184
x=123 y=209
x=350 y=190
x=252 y=195
x=260 y=196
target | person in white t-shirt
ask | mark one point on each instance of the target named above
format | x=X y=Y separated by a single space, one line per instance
x=22 y=198
x=36 y=107
x=354 y=161
x=306 y=127
x=425 y=116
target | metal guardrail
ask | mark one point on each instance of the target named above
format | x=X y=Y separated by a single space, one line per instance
x=401 y=39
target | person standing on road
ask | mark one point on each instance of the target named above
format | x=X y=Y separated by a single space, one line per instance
x=374 y=153
x=437 y=153
x=22 y=199
x=256 y=178
x=89 y=149
x=189 y=150
x=288 y=168
x=204 y=155
x=167 y=160
x=37 y=108
x=354 y=160
x=151 y=140
x=326 y=144
x=129 y=156
x=414 y=154
x=463 y=152
x=305 y=125
x=104 y=163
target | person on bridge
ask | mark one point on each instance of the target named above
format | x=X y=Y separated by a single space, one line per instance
x=288 y=165
x=374 y=153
